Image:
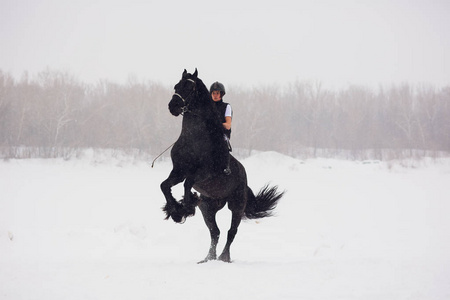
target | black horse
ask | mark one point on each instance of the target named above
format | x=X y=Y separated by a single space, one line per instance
x=198 y=157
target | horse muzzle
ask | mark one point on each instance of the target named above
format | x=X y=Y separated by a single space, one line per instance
x=174 y=107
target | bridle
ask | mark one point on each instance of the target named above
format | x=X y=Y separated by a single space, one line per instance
x=185 y=107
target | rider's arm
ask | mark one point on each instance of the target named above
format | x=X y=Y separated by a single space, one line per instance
x=228 y=115
x=227 y=123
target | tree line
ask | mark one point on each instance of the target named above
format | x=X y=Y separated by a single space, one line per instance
x=52 y=114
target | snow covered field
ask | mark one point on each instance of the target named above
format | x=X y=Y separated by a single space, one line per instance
x=92 y=228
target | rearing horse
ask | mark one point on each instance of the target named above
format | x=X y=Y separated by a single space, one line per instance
x=197 y=157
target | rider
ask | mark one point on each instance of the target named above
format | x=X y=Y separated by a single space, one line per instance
x=217 y=91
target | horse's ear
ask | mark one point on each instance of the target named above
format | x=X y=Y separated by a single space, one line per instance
x=184 y=73
x=195 y=73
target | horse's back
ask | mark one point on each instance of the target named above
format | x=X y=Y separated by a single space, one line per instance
x=220 y=186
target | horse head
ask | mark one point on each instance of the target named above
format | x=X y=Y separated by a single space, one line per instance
x=184 y=93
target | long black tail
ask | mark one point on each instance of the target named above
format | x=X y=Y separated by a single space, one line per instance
x=263 y=204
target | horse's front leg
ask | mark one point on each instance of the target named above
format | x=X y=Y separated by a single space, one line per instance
x=172 y=208
x=190 y=200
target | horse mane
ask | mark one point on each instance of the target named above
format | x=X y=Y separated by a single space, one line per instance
x=203 y=93
x=213 y=124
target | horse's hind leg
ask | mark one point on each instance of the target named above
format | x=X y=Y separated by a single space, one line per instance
x=209 y=208
x=235 y=221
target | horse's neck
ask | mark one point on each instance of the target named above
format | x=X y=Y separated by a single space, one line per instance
x=193 y=124
x=203 y=119
x=201 y=122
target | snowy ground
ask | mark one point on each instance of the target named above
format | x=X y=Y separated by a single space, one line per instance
x=93 y=229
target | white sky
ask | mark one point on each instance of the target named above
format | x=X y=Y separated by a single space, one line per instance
x=337 y=42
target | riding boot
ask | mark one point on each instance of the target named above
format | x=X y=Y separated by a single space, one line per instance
x=227 y=169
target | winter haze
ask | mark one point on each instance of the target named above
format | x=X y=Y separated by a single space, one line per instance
x=84 y=87
x=236 y=42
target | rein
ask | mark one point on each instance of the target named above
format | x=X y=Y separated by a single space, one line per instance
x=184 y=109
x=153 y=162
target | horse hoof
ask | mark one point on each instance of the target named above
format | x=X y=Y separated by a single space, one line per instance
x=178 y=219
x=225 y=258
x=203 y=261
x=208 y=258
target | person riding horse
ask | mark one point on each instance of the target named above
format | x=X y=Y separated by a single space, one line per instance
x=217 y=91
x=198 y=160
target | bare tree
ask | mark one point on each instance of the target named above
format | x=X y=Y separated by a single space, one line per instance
x=52 y=114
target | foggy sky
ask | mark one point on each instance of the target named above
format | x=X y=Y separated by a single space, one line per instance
x=236 y=42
